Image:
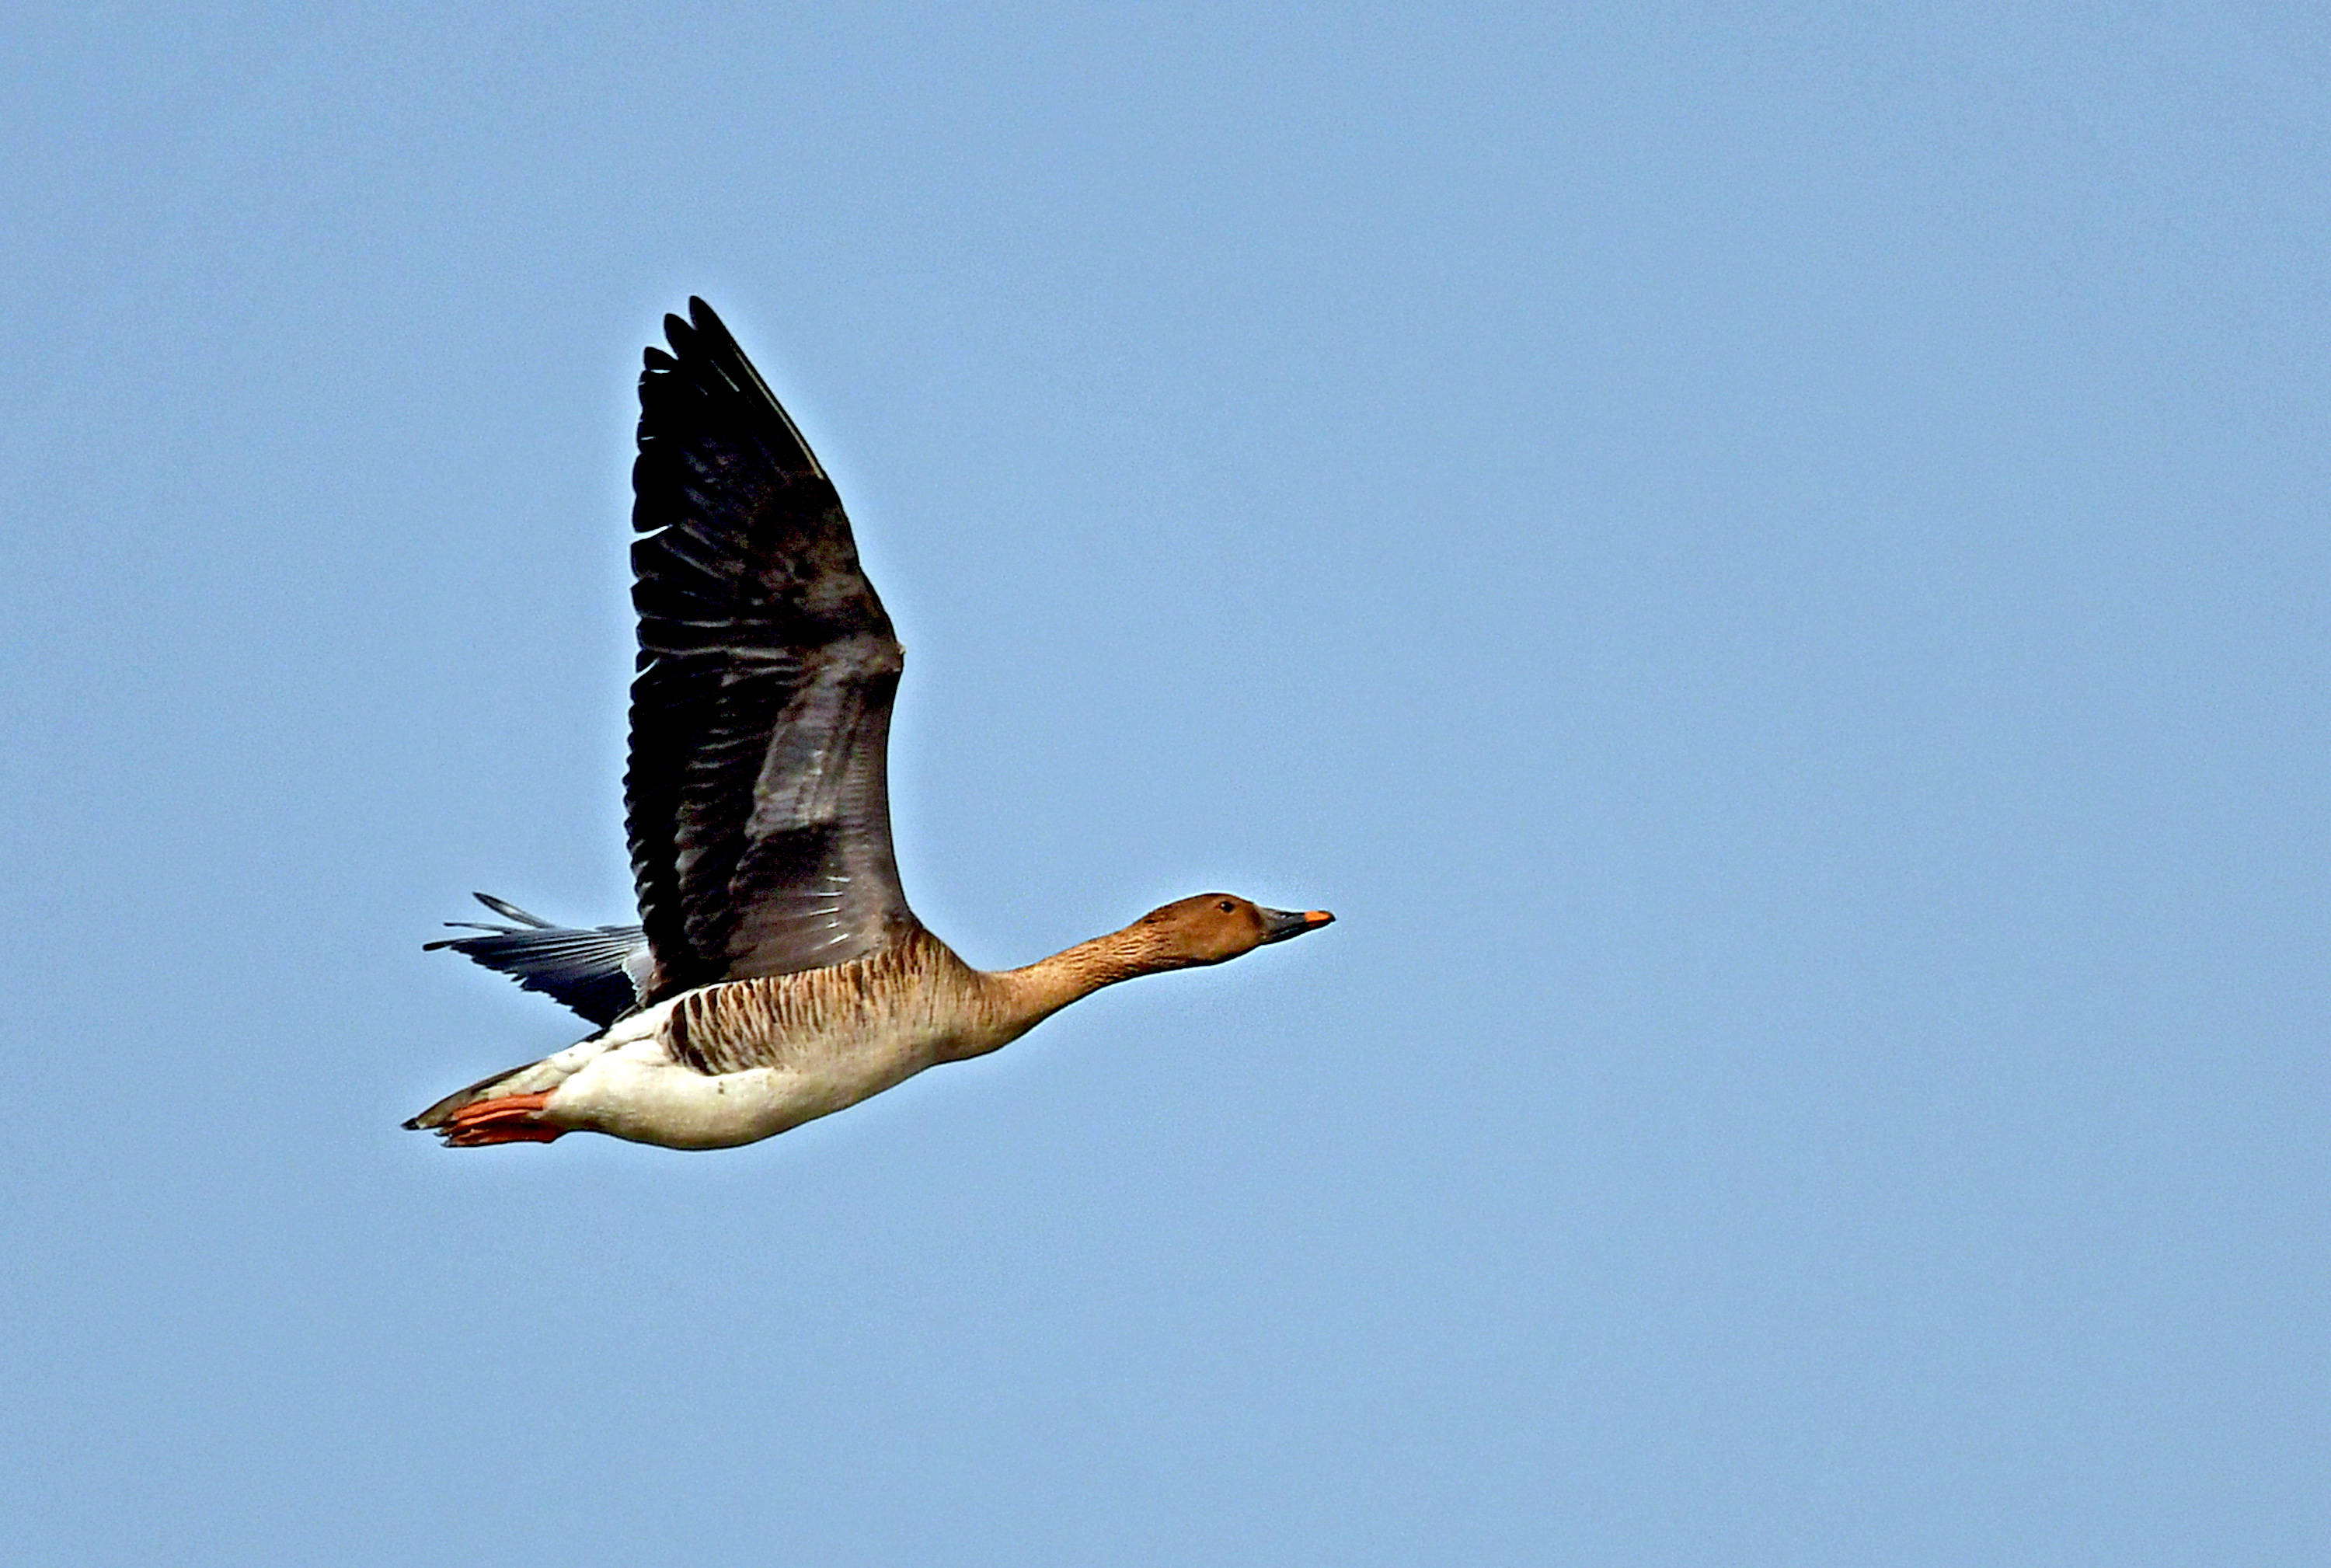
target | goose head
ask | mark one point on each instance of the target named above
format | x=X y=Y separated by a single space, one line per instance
x=1213 y=928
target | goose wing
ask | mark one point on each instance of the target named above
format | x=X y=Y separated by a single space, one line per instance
x=758 y=795
x=594 y=970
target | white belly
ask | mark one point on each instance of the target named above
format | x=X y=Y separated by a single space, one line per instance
x=628 y=1086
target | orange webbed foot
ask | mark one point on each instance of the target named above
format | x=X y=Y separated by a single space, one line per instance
x=511 y=1119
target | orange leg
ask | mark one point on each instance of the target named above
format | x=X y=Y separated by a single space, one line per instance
x=512 y=1119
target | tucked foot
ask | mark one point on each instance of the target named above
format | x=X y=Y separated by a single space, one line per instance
x=511 y=1119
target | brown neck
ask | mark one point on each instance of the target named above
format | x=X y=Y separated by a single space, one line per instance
x=1023 y=998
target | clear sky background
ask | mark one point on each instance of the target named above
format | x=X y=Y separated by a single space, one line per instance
x=1769 y=563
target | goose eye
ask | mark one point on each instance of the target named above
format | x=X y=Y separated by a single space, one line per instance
x=1226 y=905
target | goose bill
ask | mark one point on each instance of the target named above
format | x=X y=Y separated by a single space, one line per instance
x=1279 y=924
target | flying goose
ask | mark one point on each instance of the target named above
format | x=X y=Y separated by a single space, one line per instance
x=777 y=973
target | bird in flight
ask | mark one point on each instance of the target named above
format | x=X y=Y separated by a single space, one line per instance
x=777 y=973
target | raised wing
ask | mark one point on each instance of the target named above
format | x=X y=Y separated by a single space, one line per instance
x=758 y=791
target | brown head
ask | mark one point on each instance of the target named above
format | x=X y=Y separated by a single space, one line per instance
x=1215 y=927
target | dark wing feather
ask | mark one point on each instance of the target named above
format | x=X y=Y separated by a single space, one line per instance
x=757 y=793
x=590 y=970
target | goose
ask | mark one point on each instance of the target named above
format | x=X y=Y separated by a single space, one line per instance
x=777 y=973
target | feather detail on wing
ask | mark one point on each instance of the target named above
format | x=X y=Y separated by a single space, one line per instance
x=594 y=970
x=757 y=790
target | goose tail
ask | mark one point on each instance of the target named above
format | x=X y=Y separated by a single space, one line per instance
x=506 y=1109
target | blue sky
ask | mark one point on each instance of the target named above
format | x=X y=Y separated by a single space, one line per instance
x=1770 y=564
